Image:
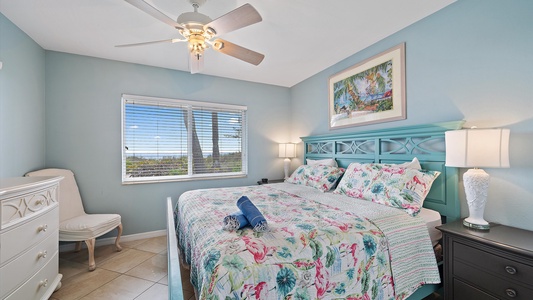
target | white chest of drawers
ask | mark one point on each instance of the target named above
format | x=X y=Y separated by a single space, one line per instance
x=29 y=222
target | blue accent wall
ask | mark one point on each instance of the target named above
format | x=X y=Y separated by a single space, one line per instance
x=83 y=123
x=22 y=102
x=472 y=61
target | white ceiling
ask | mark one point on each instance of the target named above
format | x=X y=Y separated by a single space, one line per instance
x=298 y=37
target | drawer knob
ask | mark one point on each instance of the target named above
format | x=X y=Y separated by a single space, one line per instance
x=39 y=202
x=42 y=228
x=511 y=293
x=42 y=254
x=43 y=283
x=510 y=270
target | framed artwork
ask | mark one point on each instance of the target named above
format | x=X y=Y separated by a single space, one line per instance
x=372 y=91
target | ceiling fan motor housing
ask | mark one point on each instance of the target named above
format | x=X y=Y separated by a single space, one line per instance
x=194 y=32
x=193 y=20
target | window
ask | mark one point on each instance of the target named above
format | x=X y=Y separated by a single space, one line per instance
x=170 y=139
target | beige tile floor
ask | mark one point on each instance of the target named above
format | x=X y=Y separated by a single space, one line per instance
x=138 y=272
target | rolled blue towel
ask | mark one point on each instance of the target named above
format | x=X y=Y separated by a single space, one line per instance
x=235 y=221
x=254 y=216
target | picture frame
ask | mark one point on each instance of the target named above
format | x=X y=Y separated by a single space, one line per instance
x=372 y=91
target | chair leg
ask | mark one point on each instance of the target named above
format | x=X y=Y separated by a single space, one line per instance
x=119 y=228
x=78 y=247
x=90 y=247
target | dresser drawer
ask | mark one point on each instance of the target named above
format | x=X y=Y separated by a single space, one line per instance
x=24 y=266
x=40 y=284
x=463 y=291
x=503 y=289
x=21 y=207
x=495 y=264
x=19 y=238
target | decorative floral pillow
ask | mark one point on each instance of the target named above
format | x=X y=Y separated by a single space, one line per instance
x=414 y=164
x=388 y=185
x=326 y=162
x=320 y=177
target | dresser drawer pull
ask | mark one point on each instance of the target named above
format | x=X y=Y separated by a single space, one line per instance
x=43 y=283
x=42 y=228
x=511 y=293
x=39 y=202
x=42 y=254
x=510 y=270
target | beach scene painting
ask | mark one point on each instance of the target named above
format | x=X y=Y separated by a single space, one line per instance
x=372 y=91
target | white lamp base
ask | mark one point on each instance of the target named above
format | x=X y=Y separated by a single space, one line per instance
x=476 y=183
x=286 y=165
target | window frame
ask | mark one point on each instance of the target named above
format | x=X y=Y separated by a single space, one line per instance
x=192 y=105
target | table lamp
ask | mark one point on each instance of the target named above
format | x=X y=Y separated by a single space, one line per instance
x=287 y=151
x=475 y=148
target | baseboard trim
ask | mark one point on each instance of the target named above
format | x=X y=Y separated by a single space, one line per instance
x=111 y=240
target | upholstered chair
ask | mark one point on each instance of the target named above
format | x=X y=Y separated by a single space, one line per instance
x=74 y=224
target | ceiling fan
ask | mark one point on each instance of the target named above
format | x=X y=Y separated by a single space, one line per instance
x=200 y=32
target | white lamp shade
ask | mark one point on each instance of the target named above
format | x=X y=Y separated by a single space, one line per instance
x=287 y=150
x=478 y=148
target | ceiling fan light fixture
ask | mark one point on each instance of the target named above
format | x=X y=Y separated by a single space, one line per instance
x=210 y=31
x=196 y=62
x=197 y=55
x=197 y=43
x=218 y=45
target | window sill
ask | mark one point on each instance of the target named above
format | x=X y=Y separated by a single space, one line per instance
x=193 y=178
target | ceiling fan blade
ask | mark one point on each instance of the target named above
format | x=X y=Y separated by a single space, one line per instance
x=196 y=62
x=238 y=18
x=237 y=51
x=154 y=42
x=154 y=12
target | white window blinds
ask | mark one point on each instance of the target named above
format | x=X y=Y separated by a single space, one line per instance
x=169 y=139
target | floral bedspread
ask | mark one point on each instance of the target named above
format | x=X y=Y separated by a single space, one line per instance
x=314 y=249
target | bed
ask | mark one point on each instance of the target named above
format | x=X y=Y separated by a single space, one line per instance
x=320 y=245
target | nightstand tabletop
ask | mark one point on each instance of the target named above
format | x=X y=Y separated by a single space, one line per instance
x=271 y=181
x=507 y=238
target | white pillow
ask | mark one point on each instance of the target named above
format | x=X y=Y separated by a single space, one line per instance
x=324 y=162
x=414 y=164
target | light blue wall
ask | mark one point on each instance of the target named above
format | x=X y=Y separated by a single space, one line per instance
x=473 y=60
x=83 y=115
x=22 y=100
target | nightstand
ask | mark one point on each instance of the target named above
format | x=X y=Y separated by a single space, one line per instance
x=271 y=181
x=493 y=264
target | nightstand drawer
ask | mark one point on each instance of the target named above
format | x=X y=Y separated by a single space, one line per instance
x=503 y=289
x=463 y=291
x=493 y=263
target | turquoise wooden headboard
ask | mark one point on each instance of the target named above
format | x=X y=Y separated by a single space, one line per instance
x=397 y=145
